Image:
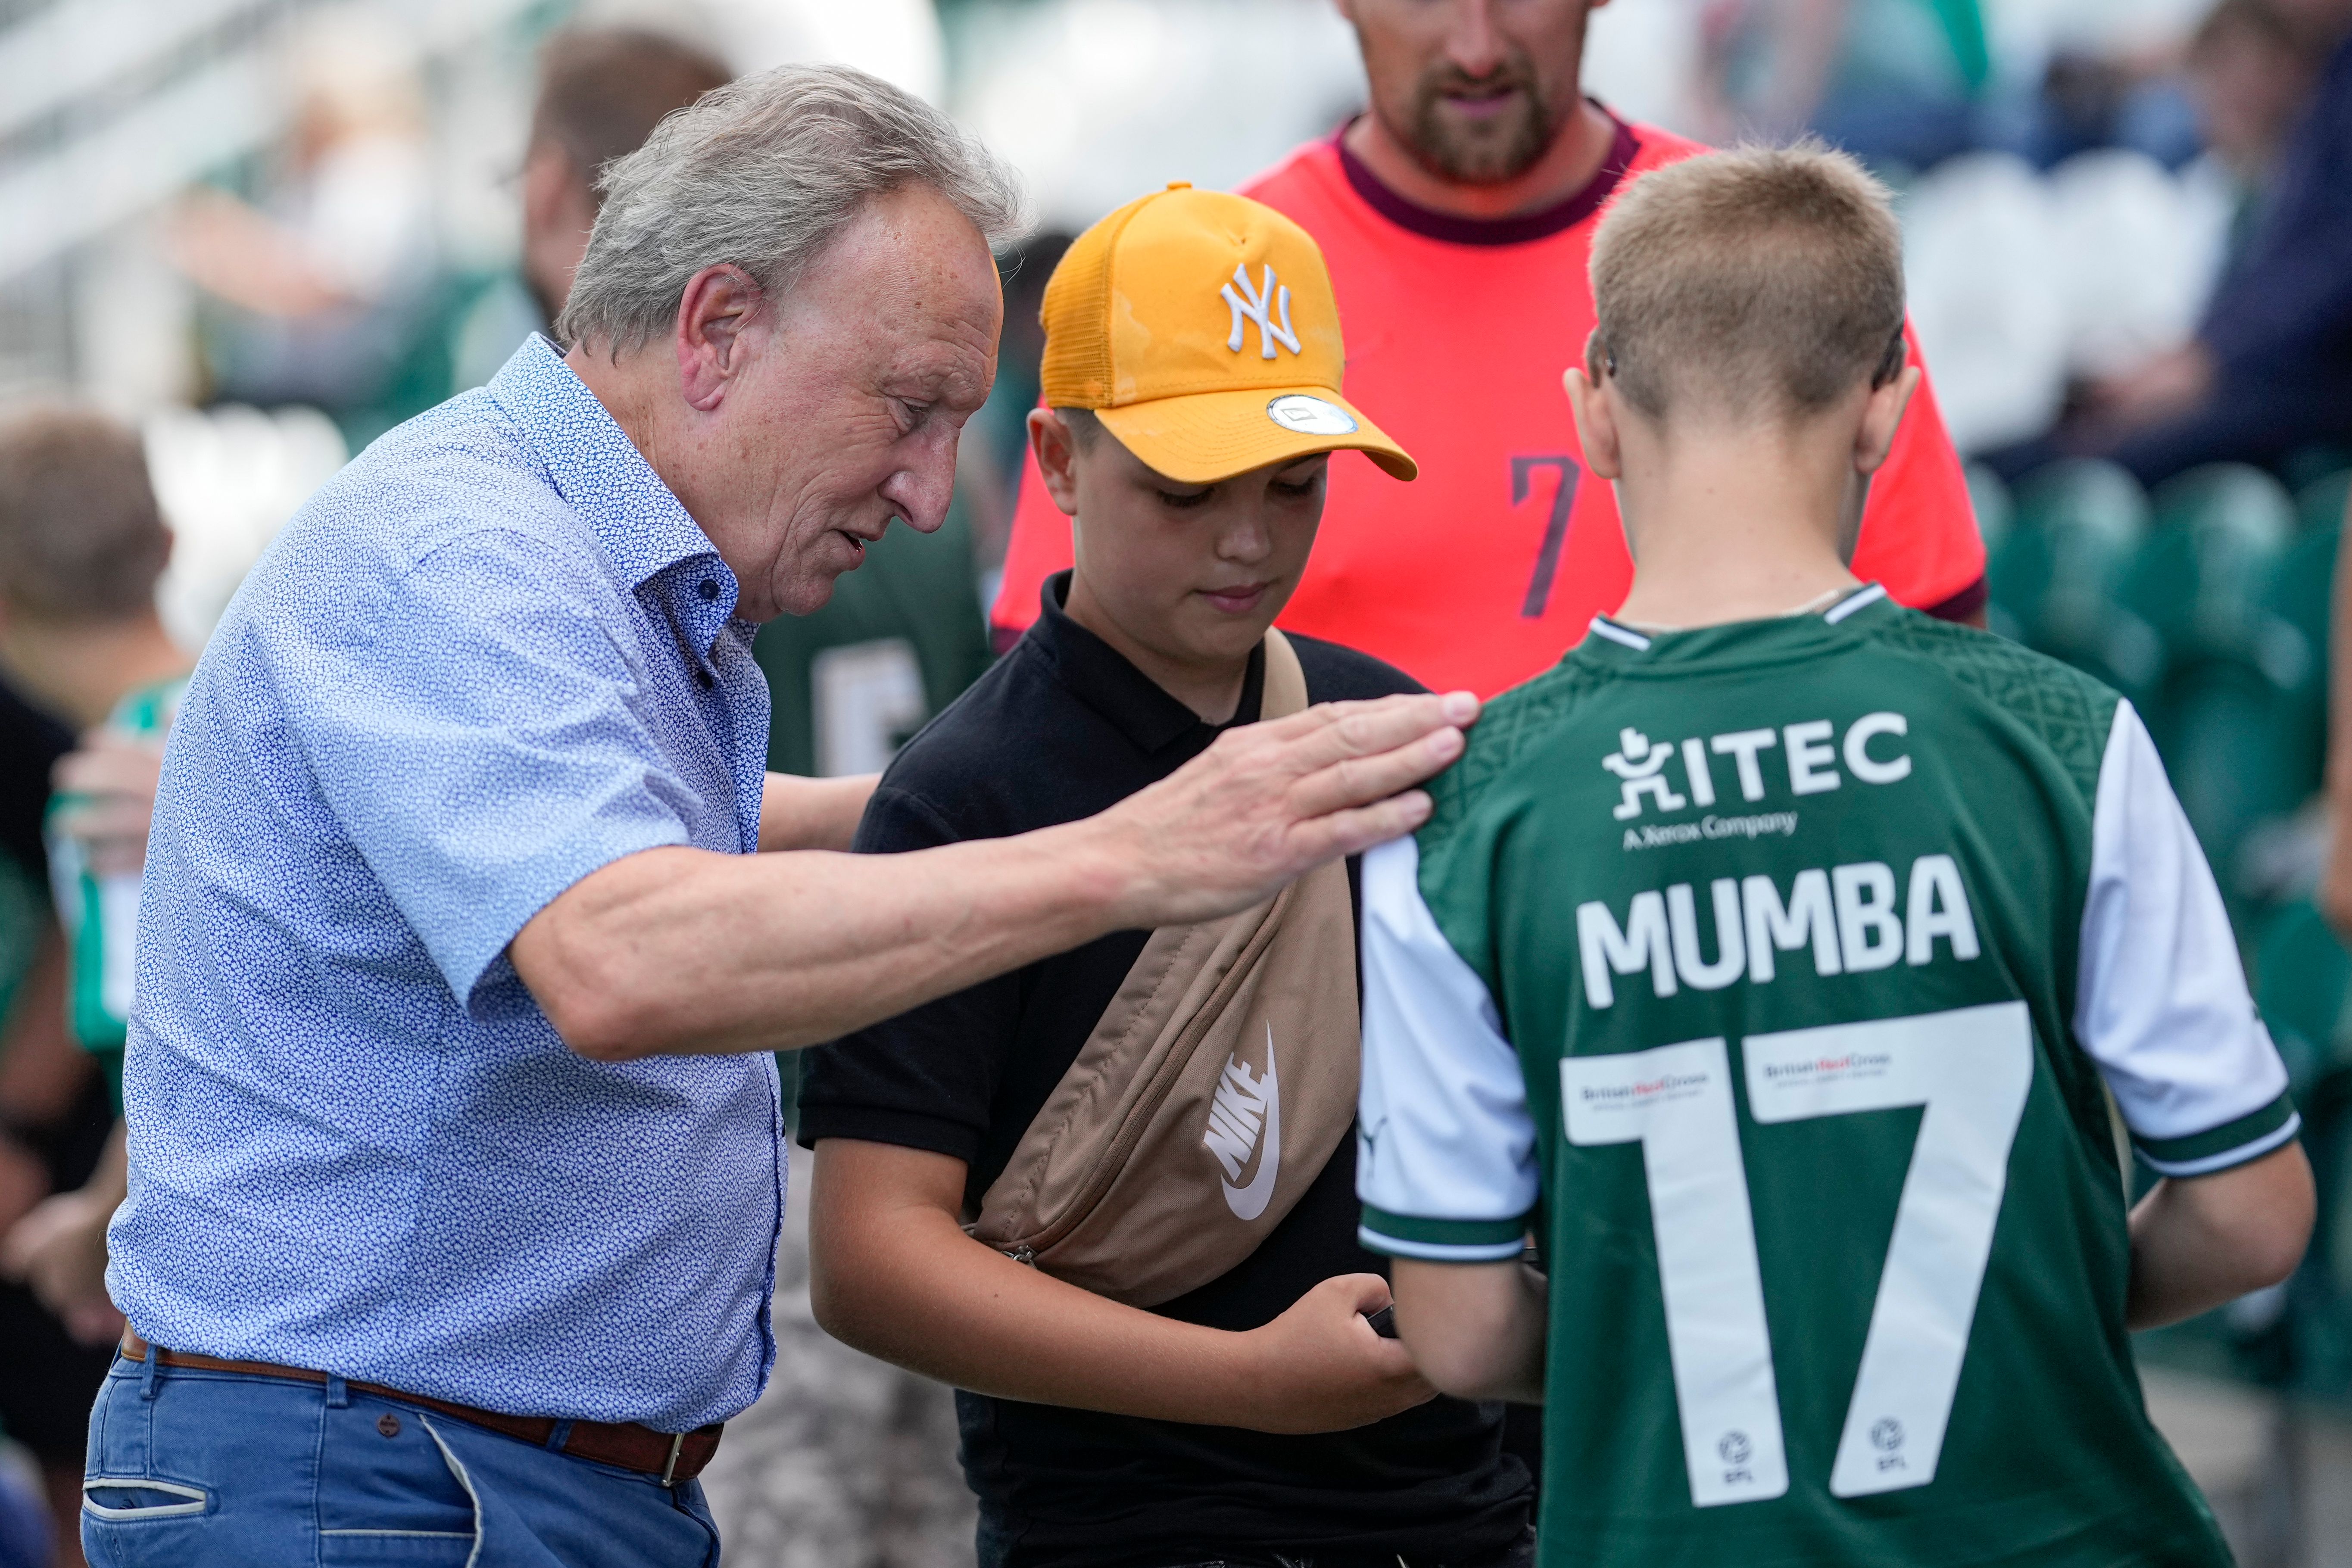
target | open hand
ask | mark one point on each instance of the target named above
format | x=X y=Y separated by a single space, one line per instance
x=1269 y=802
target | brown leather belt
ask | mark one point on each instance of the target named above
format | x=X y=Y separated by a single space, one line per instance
x=672 y=1458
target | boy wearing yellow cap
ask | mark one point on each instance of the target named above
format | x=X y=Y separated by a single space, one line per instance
x=1110 y=1195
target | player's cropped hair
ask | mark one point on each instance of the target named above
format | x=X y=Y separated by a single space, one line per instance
x=81 y=535
x=764 y=172
x=1761 y=283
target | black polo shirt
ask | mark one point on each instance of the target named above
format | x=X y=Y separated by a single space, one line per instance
x=1061 y=728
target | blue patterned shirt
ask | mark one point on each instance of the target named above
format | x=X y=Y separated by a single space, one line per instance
x=490 y=657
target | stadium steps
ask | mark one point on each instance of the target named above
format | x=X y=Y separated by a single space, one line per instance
x=2055 y=574
x=2215 y=704
x=2209 y=606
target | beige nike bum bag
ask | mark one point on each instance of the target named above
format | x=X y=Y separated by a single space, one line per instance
x=1207 y=1098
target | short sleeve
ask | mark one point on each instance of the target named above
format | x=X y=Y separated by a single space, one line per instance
x=1446 y=1160
x=2162 y=1004
x=474 y=729
x=1919 y=531
x=927 y=1077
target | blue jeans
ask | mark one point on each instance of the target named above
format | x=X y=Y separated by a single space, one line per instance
x=213 y=1469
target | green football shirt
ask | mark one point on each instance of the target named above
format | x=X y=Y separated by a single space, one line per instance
x=100 y=914
x=1774 y=977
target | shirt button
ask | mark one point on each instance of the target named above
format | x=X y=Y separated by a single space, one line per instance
x=702 y=677
x=708 y=589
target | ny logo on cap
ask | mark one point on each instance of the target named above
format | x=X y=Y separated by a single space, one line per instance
x=1265 y=304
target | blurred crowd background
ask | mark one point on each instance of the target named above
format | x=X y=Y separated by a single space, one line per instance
x=265 y=231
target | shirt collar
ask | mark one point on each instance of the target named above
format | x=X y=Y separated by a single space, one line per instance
x=1100 y=676
x=1615 y=644
x=1519 y=229
x=642 y=527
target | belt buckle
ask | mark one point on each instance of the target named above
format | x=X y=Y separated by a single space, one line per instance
x=669 y=1467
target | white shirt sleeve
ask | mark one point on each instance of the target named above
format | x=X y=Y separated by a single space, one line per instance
x=2161 y=1003
x=1446 y=1159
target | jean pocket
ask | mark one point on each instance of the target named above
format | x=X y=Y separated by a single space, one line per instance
x=123 y=1499
x=389 y=1492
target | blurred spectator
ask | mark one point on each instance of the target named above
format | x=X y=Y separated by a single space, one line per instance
x=81 y=545
x=324 y=288
x=2251 y=73
x=2269 y=373
x=601 y=93
x=602 y=90
x=2087 y=100
x=1890 y=80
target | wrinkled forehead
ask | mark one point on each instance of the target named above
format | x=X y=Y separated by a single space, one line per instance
x=908 y=264
x=903 y=289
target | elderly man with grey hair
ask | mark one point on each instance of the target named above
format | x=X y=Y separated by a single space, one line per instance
x=470 y=916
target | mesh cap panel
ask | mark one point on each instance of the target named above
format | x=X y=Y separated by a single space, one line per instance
x=1075 y=371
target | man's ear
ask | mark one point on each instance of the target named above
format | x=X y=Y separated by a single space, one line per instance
x=1882 y=416
x=713 y=313
x=1057 y=445
x=1595 y=411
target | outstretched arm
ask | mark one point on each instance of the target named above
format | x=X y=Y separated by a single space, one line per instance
x=677 y=949
x=895 y=1276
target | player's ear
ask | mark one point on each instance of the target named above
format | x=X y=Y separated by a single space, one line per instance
x=1057 y=445
x=1596 y=416
x=1882 y=416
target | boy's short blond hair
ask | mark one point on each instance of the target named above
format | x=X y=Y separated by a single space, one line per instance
x=1758 y=284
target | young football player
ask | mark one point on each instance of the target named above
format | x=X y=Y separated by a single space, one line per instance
x=1112 y=1196
x=1772 y=961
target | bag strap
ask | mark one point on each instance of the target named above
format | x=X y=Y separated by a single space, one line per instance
x=1147 y=1021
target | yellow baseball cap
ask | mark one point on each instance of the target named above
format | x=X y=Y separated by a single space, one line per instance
x=1202 y=330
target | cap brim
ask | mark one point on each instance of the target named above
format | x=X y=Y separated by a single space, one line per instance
x=1205 y=437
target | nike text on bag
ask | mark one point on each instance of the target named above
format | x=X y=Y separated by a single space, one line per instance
x=1207 y=1098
